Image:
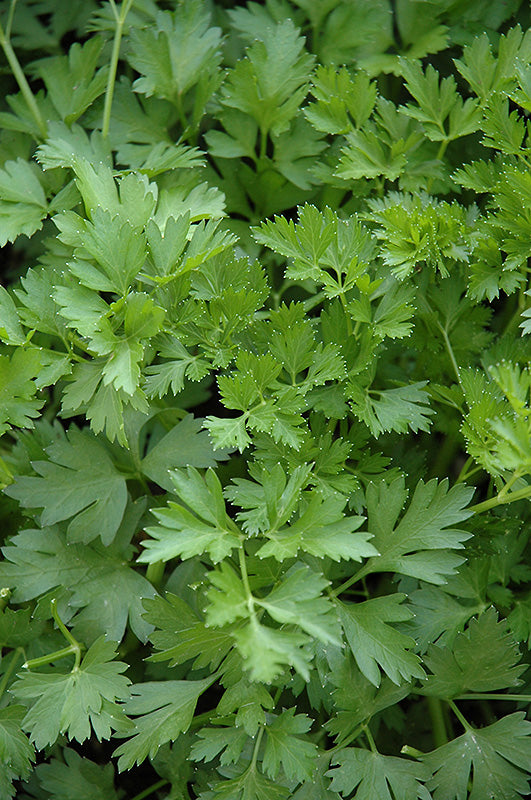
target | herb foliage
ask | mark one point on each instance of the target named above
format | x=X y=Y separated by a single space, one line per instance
x=265 y=400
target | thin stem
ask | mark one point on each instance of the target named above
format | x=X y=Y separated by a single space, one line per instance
x=66 y=633
x=20 y=78
x=15 y=656
x=463 y=476
x=41 y=661
x=354 y=579
x=411 y=751
x=151 y=789
x=370 y=739
x=438 y=726
x=512 y=480
x=450 y=351
x=343 y=302
x=10 y=19
x=113 y=66
x=524 y=698
x=257 y=747
x=459 y=716
x=500 y=499
x=439 y=157
x=345 y=742
x=263 y=144
x=245 y=579
x=155 y=573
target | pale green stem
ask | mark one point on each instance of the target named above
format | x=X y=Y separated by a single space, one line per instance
x=411 y=751
x=370 y=739
x=500 y=499
x=361 y=573
x=151 y=789
x=74 y=647
x=257 y=747
x=155 y=573
x=113 y=66
x=437 y=721
x=523 y=698
x=450 y=351
x=15 y=656
x=20 y=78
x=459 y=716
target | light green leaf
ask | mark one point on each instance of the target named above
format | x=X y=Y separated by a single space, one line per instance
x=79 y=480
x=76 y=703
x=163 y=710
x=375 y=643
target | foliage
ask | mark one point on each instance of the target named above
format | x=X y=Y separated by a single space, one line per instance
x=265 y=410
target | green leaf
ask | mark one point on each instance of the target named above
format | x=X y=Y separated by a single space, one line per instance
x=18 y=404
x=437 y=617
x=271 y=82
x=74 y=82
x=163 y=710
x=77 y=776
x=227 y=743
x=297 y=599
x=11 y=330
x=441 y=111
x=108 y=592
x=22 y=200
x=79 y=481
x=392 y=409
x=17 y=628
x=251 y=785
x=373 y=775
x=265 y=651
x=175 y=52
x=286 y=749
x=184 y=445
x=180 y=533
x=419 y=544
x=482 y=659
x=494 y=759
x=180 y=634
x=342 y=101
x=375 y=643
x=16 y=753
x=76 y=703
x=323 y=531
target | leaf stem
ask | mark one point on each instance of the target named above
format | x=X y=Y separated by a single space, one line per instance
x=438 y=726
x=257 y=747
x=361 y=573
x=370 y=738
x=15 y=656
x=524 y=698
x=18 y=74
x=245 y=579
x=76 y=647
x=113 y=66
x=450 y=351
x=151 y=789
x=41 y=661
x=459 y=716
x=501 y=499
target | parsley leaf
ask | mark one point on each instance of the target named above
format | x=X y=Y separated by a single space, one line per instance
x=78 y=702
x=79 y=481
x=493 y=758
